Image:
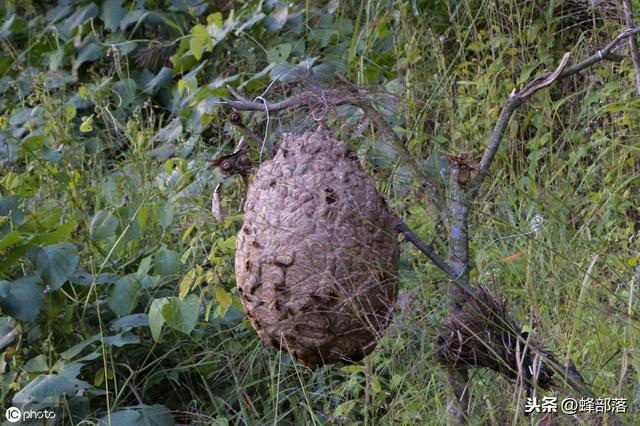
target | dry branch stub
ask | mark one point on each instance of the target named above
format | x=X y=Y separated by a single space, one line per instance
x=483 y=335
x=317 y=255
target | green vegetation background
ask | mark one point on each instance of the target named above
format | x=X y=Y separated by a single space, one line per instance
x=117 y=289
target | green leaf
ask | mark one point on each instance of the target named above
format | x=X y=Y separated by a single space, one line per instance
x=87 y=124
x=141 y=415
x=344 y=408
x=117 y=340
x=53 y=155
x=182 y=315
x=103 y=225
x=178 y=314
x=217 y=29
x=215 y=19
x=199 y=41
x=90 y=52
x=83 y=278
x=60 y=234
x=166 y=262
x=228 y=245
x=23 y=298
x=126 y=90
x=130 y=321
x=10 y=239
x=224 y=300
x=144 y=266
x=250 y=22
x=56 y=263
x=36 y=365
x=159 y=81
x=74 y=21
x=48 y=387
x=122 y=339
x=70 y=112
x=344 y=27
x=124 y=297
x=279 y=53
x=184 y=85
x=112 y=13
x=165 y=214
x=136 y=16
x=186 y=283
x=156 y=318
x=10 y=206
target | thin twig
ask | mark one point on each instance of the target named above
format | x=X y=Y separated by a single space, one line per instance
x=635 y=54
x=428 y=251
x=306 y=98
x=253 y=136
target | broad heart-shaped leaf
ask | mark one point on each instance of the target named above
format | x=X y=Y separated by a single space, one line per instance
x=279 y=53
x=82 y=15
x=90 y=52
x=166 y=262
x=224 y=301
x=159 y=81
x=182 y=315
x=117 y=340
x=165 y=214
x=22 y=298
x=103 y=225
x=84 y=278
x=156 y=318
x=129 y=322
x=126 y=90
x=112 y=13
x=47 y=388
x=56 y=263
x=199 y=41
x=9 y=206
x=125 y=295
x=140 y=415
x=178 y=314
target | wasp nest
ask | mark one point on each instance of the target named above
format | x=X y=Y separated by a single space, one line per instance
x=317 y=255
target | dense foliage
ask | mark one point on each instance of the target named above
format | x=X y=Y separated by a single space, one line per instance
x=117 y=288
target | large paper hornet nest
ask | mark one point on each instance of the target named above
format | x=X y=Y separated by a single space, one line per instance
x=317 y=256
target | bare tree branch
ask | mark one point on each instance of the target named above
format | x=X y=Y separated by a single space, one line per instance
x=347 y=95
x=428 y=251
x=635 y=54
x=236 y=120
x=600 y=55
x=308 y=98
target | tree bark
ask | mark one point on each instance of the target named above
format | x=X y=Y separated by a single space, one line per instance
x=458 y=260
x=633 y=42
